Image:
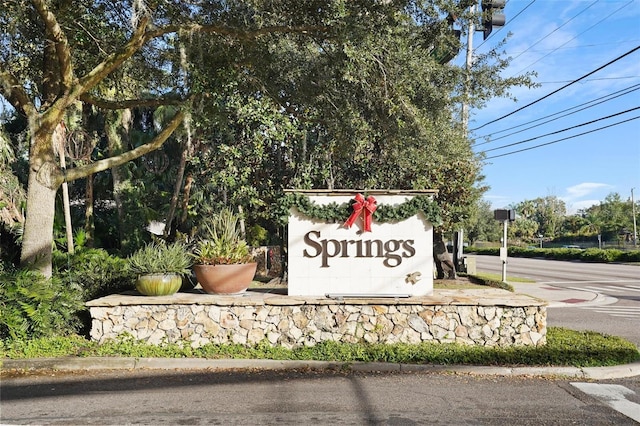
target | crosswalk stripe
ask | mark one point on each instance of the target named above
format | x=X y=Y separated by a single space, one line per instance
x=616 y=308
x=617 y=397
x=605 y=289
x=624 y=314
x=587 y=282
x=614 y=311
x=613 y=288
x=597 y=289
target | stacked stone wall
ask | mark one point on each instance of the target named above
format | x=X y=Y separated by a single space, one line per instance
x=291 y=322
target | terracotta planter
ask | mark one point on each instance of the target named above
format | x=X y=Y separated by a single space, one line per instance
x=225 y=279
x=158 y=284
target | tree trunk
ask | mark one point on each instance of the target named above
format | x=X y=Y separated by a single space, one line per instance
x=185 y=198
x=37 y=241
x=89 y=223
x=45 y=177
x=117 y=125
x=117 y=196
x=177 y=188
x=59 y=137
x=444 y=265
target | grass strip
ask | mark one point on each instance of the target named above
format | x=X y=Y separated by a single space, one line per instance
x=564 y=348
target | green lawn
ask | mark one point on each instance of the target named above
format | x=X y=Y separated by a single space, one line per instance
x=564 y=348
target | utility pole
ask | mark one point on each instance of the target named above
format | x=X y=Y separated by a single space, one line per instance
x=468 y=64
x=633 y=212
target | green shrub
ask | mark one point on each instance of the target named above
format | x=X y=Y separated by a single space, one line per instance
x=630 y=256
x=96 y=272
x=159 y=257
x=34 y=306
x=490 y=251
x=46 y=347
x=482 y=279
x=588 y=255
x=597 y=255
x=257 y=236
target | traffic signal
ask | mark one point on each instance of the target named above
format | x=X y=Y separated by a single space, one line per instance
x=492 y=15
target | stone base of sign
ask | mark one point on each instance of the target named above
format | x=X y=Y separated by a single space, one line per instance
x=491 y=317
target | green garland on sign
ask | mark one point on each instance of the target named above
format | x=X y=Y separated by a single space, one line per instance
x=334 y=212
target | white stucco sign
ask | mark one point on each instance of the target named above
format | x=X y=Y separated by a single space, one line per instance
x=359 y=256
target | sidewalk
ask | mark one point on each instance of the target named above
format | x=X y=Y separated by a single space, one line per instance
x=559 y=297
x=114 y=363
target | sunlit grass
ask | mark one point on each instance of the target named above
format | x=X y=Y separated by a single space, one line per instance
x=564 y=348
x=498 y=277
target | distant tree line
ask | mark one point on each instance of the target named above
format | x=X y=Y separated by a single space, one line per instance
x=546 y=218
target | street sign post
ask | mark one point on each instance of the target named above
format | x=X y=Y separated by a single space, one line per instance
x=505 y=216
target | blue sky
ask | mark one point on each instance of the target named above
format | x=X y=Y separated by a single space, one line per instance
x=563 y=41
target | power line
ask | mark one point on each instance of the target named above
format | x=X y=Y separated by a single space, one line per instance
x=565 y=23
x=580 y=46
x=595 y=102
x=559 y=89
x=564 y=139
x=592 y=79
x=564 y=130
x=573 y=38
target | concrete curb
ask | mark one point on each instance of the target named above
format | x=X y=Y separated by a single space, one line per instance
x=114 y=363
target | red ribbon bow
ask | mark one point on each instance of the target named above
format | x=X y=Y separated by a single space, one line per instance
x=367 y=207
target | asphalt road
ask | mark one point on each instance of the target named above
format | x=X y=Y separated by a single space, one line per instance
x=564 y=273
x=310 y=398
x=617 y=313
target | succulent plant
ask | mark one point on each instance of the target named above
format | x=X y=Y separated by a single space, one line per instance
x=159 y=257
x=220 y=241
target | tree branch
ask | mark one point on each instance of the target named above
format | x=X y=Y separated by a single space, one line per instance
x=130 y=103
x=235 y=32
x=112 y=62
x=60 y=42
x=13 y=91
x=108 y=163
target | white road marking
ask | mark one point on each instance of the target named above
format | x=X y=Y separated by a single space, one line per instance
x=588 y=282
x=602 y=289
x=613 y=288
x=630 y=288
x=612 y=395
x=616 y=311
x=621 y=315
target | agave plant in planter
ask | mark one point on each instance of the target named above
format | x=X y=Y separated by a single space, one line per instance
x=223 y=262
x=159 y=267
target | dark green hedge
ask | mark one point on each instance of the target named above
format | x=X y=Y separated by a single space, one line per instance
x=588 y=255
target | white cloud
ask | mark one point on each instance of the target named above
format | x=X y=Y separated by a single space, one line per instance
x=574 y=194
x=572 y=208
x=583 y=189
